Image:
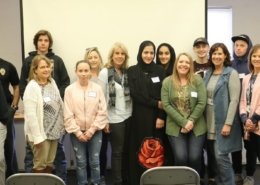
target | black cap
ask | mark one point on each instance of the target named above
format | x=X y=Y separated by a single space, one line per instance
x=241 y=37
x=200 y=40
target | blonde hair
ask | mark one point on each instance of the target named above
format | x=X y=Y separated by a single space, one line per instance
x=175 y=75
x=88 y=51
x=110 y=62
x=35 y=64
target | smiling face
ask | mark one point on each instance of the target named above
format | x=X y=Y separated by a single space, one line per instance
x=83 y=72
x=94 y=60
x=42 y=71
x=164 y=55
x=255 y=61
x=201 y=50
x=118 y=57
x=148 y=54
x=218 y=58
x=183 y=65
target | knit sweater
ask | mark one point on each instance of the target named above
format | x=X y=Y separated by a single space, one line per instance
x=33 y=112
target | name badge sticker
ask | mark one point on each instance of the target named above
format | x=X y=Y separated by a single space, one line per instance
x=92 y=94
x=155 y=79
x=242 y=75
x=194 y=94
x=46 y=99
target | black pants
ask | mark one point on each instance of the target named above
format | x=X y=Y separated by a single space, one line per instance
x=118 y=141
x=252 y=147
x=9 y=146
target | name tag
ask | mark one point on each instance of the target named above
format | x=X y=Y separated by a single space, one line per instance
x=92 y=94
x=46 y=99
x=194 y=94
x=242 y=75
x=155 y=79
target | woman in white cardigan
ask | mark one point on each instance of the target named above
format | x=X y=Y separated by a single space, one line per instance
x=43 y=111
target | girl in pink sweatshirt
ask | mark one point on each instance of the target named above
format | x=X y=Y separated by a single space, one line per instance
x=85 y=115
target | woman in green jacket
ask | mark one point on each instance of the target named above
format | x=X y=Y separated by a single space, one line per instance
x=184 y=100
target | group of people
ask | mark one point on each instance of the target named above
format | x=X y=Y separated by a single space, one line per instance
x=190 y=106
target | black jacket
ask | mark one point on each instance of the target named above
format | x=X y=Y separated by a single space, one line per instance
x=59 y=74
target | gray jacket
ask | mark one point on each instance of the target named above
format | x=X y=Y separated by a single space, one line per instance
x=223 y=102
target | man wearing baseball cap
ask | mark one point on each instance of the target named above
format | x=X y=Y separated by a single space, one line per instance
x=242 y=46
x=201 y=49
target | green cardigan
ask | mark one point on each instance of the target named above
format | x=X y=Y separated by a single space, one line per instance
x=198 y=99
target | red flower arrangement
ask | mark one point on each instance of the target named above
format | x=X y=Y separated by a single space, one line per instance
x=151 y=153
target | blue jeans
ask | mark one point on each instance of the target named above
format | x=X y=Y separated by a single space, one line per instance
x=187 y=150
x=80 y=148
x=225 y=175
x=10 y=153
x=60 y=161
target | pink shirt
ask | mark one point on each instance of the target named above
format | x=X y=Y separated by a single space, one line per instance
x=84 y=109
x=255 y=102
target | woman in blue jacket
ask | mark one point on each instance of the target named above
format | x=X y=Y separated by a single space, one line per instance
x=223 y=90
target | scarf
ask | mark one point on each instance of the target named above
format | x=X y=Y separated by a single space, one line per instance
x=122 y=80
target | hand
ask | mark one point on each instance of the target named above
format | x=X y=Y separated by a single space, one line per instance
x=160 y=105
x=250 y=126
x=88 y=135
x=159 y=123
x=106 y=129
x=184 y=130
x=39 y=145
x=189 y=125
x=226 y=130
x=81 y=137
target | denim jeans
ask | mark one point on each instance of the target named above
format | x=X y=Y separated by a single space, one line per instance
x=2 y=156
x=225 y=174
x=80 y=148
x=60 y=162
x=187 y=150
x=10 y=153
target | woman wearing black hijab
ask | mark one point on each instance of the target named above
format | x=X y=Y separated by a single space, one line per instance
x=165 y=56
x=145 y=82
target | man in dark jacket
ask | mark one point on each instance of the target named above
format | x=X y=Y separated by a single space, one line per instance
x=43 y=42
x=3 y=121
x=242 y=46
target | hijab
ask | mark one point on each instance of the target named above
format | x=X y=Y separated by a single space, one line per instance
x=169 y=68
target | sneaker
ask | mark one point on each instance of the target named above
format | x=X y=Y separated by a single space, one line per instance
x=238 y=179
x=248 y=180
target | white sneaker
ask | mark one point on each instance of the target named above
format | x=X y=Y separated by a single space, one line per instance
x=248 y=180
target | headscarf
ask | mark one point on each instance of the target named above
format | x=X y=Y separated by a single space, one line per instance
x=143 y=69
x=169 y=69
